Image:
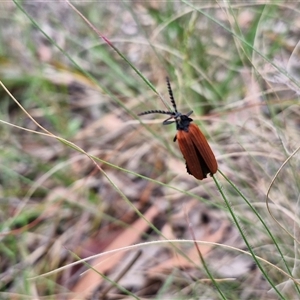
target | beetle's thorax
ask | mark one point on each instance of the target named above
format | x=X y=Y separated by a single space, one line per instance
x=183 y=122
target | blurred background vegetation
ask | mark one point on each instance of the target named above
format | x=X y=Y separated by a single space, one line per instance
x=235 y=64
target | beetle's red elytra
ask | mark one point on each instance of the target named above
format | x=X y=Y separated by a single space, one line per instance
x=200 y=160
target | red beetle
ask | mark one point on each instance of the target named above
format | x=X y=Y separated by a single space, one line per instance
x=200 y=160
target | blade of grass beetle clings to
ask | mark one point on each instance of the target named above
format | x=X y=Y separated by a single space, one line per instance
x=237 y=222
x=110 y=44
x=200 y=160
x=239 y=227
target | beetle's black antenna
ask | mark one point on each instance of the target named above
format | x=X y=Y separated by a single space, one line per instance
x=171 y=94
x=156 y=112
x=173 y=114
